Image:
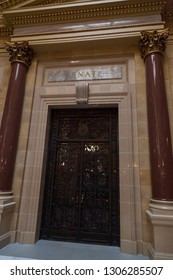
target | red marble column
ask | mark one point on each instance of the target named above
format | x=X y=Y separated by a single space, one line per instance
x=152 y=46
x=20 y=55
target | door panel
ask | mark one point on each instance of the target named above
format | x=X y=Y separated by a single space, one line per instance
x=81 y=193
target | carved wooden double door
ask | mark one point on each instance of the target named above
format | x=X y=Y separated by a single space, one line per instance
x=81 y=192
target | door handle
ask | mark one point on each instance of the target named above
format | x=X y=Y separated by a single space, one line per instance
x=81 y=200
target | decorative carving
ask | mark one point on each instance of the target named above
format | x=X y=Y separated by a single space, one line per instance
x=6 y=31
x=153 y=41
x=82 y=90
x=21 y=52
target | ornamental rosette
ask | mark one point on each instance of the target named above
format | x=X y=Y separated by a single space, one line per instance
x=153 y=41
x=20 y=52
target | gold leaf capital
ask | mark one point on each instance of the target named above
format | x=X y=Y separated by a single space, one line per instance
x=153 y=41
x=20 y=52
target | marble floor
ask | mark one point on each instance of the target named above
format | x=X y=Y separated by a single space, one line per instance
x=56 y=250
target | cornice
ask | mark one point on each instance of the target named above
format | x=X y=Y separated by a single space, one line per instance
x=94 y=10
x=66 y=11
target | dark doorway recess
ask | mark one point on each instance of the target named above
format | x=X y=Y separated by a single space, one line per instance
x=81 y=192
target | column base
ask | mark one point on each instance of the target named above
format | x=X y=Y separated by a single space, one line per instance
x=160 y=215
x=7 y=206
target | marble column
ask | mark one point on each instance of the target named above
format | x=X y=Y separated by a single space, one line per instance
x=20 y=57
x=160 y=212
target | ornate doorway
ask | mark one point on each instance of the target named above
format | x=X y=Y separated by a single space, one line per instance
x=81 y=192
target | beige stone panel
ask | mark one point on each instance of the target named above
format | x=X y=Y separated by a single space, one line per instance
x=38 y=156
x=146 y=232
x=42 y=144
x=20 y=158
x=32 y=144
x=138 y=217
x=17 y=200
x=26 y=190
x=31 y=75
x=128 y=247
x=34 y=209
x=127 y=217
x=36 y=181
x=143 y=129
x=126 y=161
x=124 y=130
x=170 y=104
x=126 y=194
x=165 y=68
x=144 y=206
x=145 y=177
x=126 y=144
x=170 y=68
x=168 y=92
x=145 y=203
x=145 y=193
x=14 y=221
x=169 y=48
x=126 y=116
x=22 y=143
x=31 y=222
x=29 y=90
x=18 y=179
x=136 y=179
x=138 y=60
x=24 y=207
x=35 y=117
x=26 y=237
x=27 y=104
x=26 y=115
x=171 y=88
x=158 y=238
x=135 y=150
x=5 y=78
x=143 y=145
x=22 y=223
x=140 y=75
x=16 y=187
x=144 y=159
x=141 y=94
x=126 y=103
x=142 y=114
x=33 y=130
x=24 y=130
x=126 y=176
x=140 y=81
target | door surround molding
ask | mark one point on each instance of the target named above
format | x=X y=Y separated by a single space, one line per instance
x=119 y=93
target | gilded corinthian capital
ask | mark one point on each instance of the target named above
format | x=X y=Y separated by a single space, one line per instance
x=153 y=41
x=20 y=52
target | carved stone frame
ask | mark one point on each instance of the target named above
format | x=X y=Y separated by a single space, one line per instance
x=101 y=93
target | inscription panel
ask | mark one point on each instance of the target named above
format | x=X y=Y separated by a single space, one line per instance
x=84 y=74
